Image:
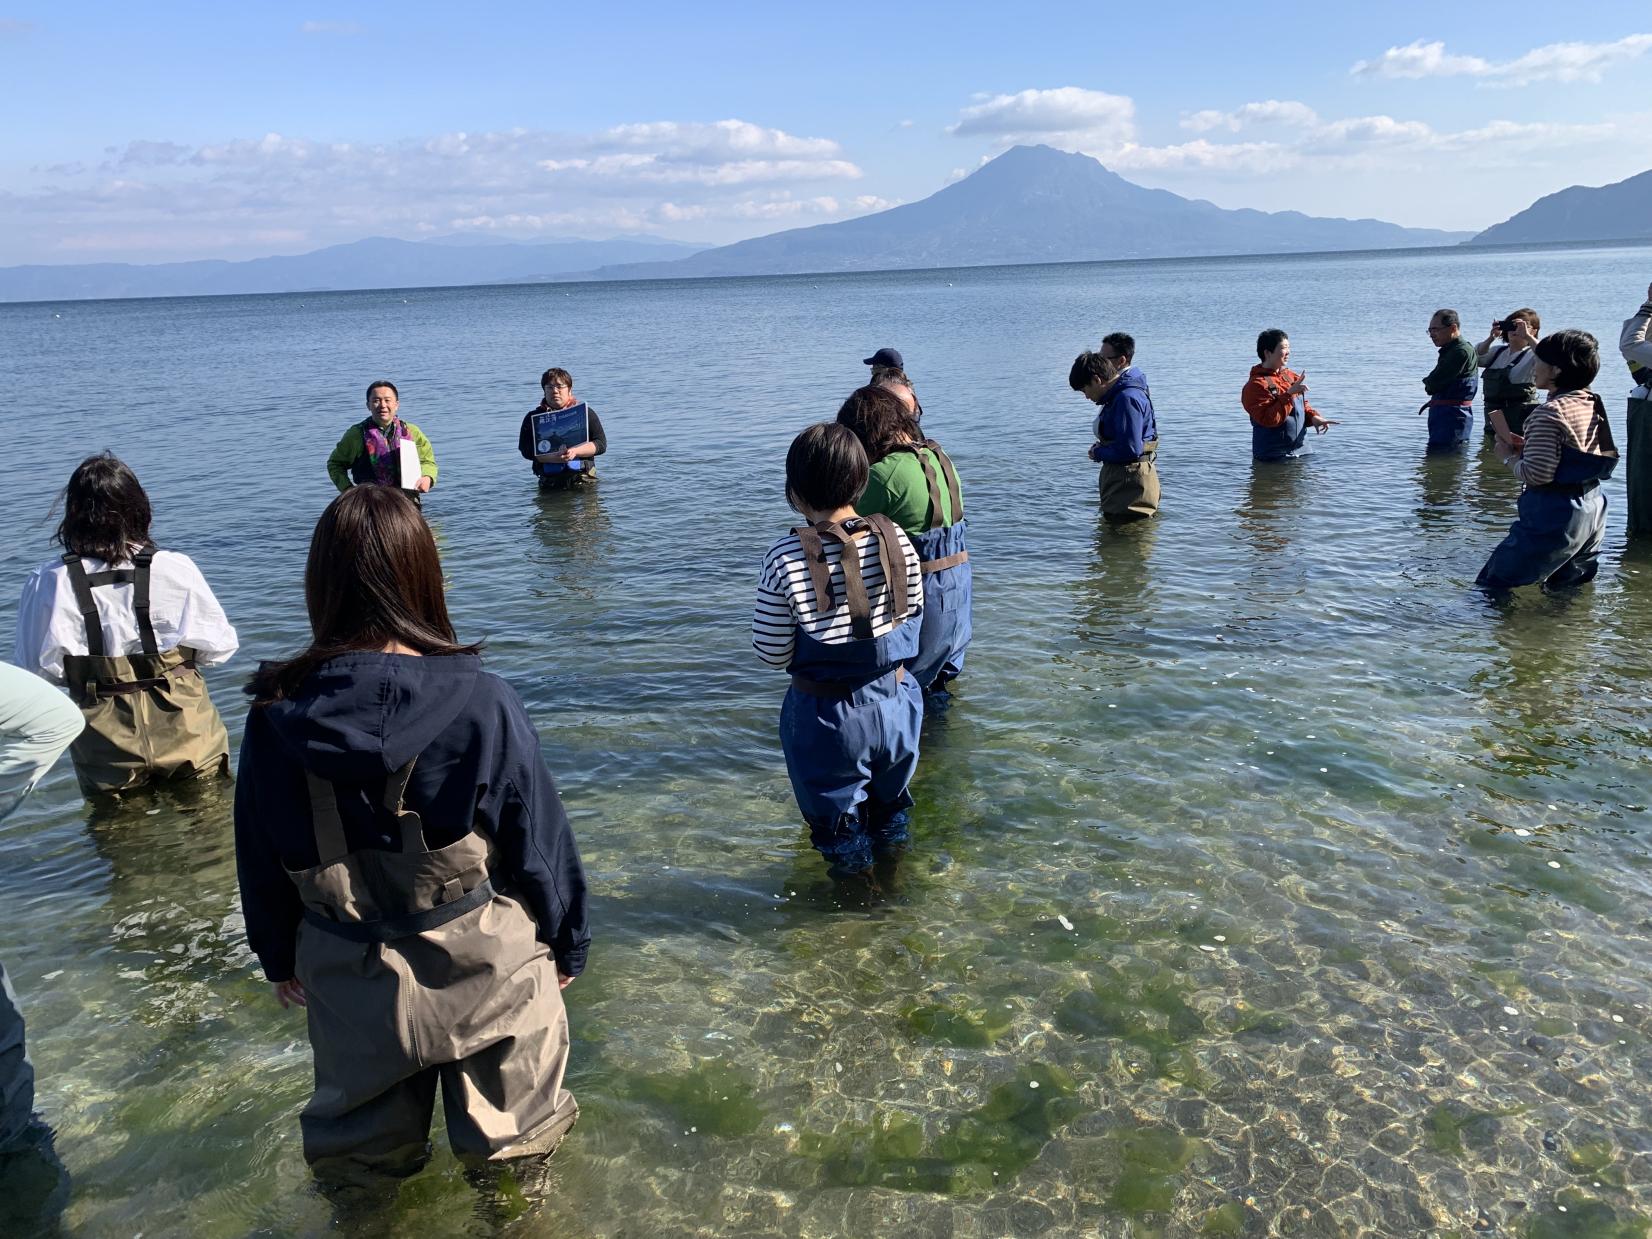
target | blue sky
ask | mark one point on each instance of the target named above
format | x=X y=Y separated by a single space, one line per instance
x=154 y=133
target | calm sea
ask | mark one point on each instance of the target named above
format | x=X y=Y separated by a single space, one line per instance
x=1267 y=880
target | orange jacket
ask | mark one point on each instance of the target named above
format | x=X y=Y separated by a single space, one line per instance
x=1267 y=398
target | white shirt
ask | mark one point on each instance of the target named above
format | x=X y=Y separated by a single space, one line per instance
x=181 y=609
x=1522 y=366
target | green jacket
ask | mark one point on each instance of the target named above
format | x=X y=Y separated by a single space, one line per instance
x=1457 y=361
x=896 y=488
x=353 y=446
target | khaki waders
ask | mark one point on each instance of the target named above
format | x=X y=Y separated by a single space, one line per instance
x=418 y=971
x=148 y=715
x=1130 y=492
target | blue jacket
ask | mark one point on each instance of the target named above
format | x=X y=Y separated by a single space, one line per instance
x=361 y=716
x=1125 y=420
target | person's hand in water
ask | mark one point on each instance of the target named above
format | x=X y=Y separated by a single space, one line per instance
x=290 y=993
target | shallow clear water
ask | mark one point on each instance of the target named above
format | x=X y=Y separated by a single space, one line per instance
x=1355 y=864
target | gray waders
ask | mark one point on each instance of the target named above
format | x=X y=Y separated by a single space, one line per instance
x=148 y=715
x=418 y=970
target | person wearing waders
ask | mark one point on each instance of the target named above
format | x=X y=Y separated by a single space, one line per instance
x=36 y=724
x=1126 y=428
x=1565 y=454
x=407 y=871
x=127 y=628
x=1635 y=343
x=1276 y=401
x=1506 y=360
x=372 y=451
x=838 y=606
x=1451 y=385
x=913 y=483
x=565 y=467
x=889 y=372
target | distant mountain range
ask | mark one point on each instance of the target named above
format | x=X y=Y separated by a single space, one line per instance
x=377 y=262
x=1618 y=212
x=1030 y=204
x=1036 y=204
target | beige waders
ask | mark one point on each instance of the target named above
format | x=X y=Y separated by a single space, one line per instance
x=148 y=715
x=1130 y=492
x=418 y=970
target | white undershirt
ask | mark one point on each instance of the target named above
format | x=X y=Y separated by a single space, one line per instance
x=182 y=611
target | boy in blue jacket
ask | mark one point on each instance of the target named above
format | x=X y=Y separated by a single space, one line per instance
x=1127 y=432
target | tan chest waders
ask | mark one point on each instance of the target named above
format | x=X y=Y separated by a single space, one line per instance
x=420 y=971
x=148 y=715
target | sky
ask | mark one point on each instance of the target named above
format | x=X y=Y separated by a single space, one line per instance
x=138 y=133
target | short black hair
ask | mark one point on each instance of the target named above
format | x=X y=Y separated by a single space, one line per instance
x=1448 y=318
x=558 y=373
x=1269 y=340
x=105 y=511
x=1122 y=344
x=1086 y=370
x=378 y=383
x=1574 y=354
x=825 y=468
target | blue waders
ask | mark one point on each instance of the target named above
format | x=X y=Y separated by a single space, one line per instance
x=1555 y=538
x=1451 y=415
x=1284 y=440
x=948 y=580
x=849 y=724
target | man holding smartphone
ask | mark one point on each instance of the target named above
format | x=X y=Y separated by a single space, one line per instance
x=1508 y=361
x=1636 y=346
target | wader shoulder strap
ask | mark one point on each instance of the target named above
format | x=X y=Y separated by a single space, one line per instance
x=854 y=584
x=395 y=800
x=82 y=585
x=893 y=559
x=140 y=597
x=83 y=582
x=955 y=492
x=820 y=572
x=330 y=845
x=930 y=480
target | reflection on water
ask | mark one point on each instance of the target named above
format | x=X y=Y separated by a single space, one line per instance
x=1265 y=880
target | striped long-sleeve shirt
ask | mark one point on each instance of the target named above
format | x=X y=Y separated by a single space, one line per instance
x=786 y=597
x=1572 y=419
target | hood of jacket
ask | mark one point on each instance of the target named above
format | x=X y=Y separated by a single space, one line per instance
x=1130 y=378
x=361 y=716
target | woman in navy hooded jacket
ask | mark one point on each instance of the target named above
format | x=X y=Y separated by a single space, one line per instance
x=407 y=872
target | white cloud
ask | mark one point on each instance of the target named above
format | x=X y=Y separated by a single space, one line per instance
x=1065 y=116
x=646 y=177
x=1283 y=112
x=1556 y=62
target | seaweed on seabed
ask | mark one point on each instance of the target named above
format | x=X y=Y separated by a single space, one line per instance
x=980 y=1152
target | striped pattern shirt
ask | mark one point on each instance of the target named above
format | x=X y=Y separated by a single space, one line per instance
x=1571 y=419
x=786 y=597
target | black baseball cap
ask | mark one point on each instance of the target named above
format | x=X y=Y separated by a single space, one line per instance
x=885 y=357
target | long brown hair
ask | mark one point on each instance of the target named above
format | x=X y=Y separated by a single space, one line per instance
x=373 y=577
x=105 y=510
x=880 y=421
